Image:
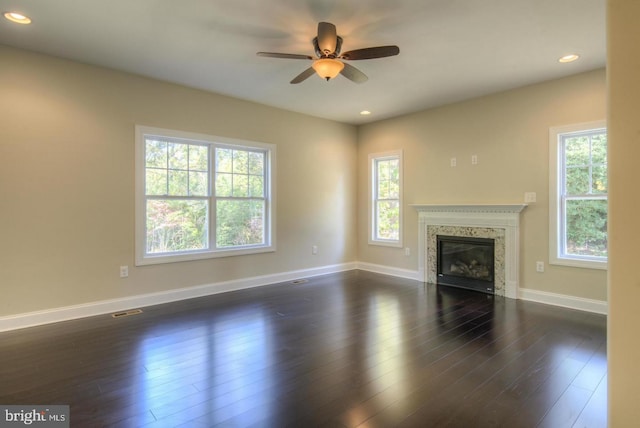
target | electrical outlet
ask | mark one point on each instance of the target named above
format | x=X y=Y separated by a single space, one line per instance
x=539 y=266
x=474 y=159
x=314 y=249
x=124 y=271
x=407 y=251
x=454 y=161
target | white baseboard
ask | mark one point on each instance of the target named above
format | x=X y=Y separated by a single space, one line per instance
x=31 y=319
x=563 y=300
x=572 y=302
x=388 y=270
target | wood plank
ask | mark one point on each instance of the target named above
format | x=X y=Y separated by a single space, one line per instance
x=342 y=350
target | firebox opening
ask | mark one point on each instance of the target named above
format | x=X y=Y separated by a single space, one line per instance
x=466 y=262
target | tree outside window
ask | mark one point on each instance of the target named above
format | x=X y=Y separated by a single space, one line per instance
x=200 y=198
x=578 y=195
x=386 y=203
x=585 y=194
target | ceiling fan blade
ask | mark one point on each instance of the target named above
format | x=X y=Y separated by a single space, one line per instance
x=371 y=53
x=283 y=55
x=353 y=74
x=327 y=37
x=303 y=76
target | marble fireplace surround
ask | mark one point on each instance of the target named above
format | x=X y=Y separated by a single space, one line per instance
x=498 y=221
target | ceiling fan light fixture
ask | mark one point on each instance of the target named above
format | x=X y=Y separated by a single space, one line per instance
x=327 y=68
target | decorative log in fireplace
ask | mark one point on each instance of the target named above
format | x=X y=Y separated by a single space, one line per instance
x=466 y=262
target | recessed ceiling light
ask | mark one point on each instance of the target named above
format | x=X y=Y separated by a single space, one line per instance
x=365 y=112
x=17 y=18
x=568 y=58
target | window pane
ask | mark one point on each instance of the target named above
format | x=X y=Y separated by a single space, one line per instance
x=577 y=180
x=394 y=189
x=156 y=154
x=599 y=148
x=383 y=189
x=178 y=156
x=223 y=184
x=394 y=170
x=156 y=182
x=256 y=163
x=388 y=220
x=577 y=150
x=198 y=158
x=388 y=179
x=240 y=186
x=599 y=179
x=198 y=183
x=383 y=170
x=240 y=162
x=224 y=159
x=176 y=225
x=239 y=222
x=178 y=183
x=586 y=227
x=256 y=186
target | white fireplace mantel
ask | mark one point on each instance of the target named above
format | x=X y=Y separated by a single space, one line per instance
x=472 y=208
x=494 y=216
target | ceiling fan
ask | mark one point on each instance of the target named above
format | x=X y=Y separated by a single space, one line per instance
x=327 y=65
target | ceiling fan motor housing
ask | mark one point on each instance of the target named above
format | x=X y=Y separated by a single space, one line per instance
x=321 y=54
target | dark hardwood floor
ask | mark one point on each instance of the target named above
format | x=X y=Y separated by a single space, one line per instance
x=355 y=349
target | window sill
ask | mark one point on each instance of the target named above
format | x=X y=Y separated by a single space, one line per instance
x=580 y=263
x=394 y=244
x=200 y=255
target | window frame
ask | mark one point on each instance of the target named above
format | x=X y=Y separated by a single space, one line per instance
x=212 y=142
x=556 y=197
x=374 y=158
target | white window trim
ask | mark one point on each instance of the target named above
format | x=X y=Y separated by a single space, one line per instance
x=372 y=221
x=555 y=172
x=140 y=215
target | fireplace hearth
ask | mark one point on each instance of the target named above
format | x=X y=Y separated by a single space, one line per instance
x=466 y=262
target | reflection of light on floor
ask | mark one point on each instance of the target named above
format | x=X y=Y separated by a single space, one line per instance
x=242 y=366
x=356 y=415
x=165 y=368
x=385 y=351
x=219 y=370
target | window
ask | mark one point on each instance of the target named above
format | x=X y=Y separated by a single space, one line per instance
x=578 y=195
x=385 y=172
x=200 y=196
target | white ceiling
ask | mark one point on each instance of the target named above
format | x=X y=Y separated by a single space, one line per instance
x=450 y=50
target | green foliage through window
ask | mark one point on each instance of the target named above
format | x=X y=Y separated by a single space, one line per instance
x=584 y=193
x=240 y=193
x=386 y=198
x=176 y=225
x=178 y=199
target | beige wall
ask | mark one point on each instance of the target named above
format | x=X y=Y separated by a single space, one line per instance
x=623 y=60
x=67 y=182
x=509 y=132
x=66 y=177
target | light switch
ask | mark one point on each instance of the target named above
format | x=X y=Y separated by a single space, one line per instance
x=530 y=197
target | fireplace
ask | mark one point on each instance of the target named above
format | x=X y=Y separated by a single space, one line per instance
x=466 y=262
x=500 y=222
